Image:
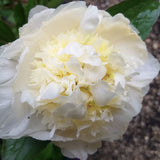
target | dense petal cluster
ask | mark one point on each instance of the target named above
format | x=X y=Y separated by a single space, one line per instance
x=75 y=76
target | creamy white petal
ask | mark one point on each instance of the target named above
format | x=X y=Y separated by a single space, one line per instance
x=119 y=78
x=101 y=93
x=90 y=56
x=125 y=41
x=116 y=62
x=94 y=73
x=6 y=97
x=35 y=10
x=91 y=19
x=7 y=70
x=73 y=48
x=71 y=110
x=66 y=18
x=133 y=102
x=146 y=73
x=27 y=96
x=36 y=20
x=2 y=48
x=14 y=120
x=14 y=49
x=70 y=6
x=116 y=128
x=74 y=66
x=51 y=91
x=78 y=149
x=72 y=106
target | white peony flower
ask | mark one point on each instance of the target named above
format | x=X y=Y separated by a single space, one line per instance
x=76 y=76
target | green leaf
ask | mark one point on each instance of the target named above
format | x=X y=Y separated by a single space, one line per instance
x=19 y=15
x=54 y=3
x=143 y=14
x=30 y=149
x=22 y=149
x=6 y=34
x=51 y=152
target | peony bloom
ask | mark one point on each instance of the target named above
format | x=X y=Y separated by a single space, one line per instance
x=76 y=76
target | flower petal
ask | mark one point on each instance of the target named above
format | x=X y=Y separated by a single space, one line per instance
x=90 y=56
x=128 y=44
x=51 y=91
x=7 y=70
x=72 y=106
x=36 y=20
x=145 y=73
x=6 y=97
x=101 y=93
x=93 y=73
x=73 y=48
x=91 y=19
x=35 y=10
x=78 y=149
x=74 y=66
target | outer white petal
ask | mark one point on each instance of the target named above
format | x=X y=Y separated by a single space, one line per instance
x=27 y=96
x=133 y=101
x=7 y=70
x=66 y=17
x=2 y=48
x=36 y=20
x=6 y=97
x=116 y=128
x=35 y=10
x=91 y=19
x=101 y=93
x=37 y=130
x=146 y=73
x=78 y=149
x=13 y=50
x=13 y=119
x=129 y=45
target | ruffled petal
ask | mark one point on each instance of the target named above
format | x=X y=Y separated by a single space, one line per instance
x=146 y=73
x=101 y=93
x=35 y=10
x=36 y=20
x=78 y=149
x=7 y=70
x=90 y=20
x=128 y=44
x=51 y=91
x=6 y=97
x=93 y=73
x=74 y=66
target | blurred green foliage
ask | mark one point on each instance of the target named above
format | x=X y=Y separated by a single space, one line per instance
x=14 y=14
x=30 y=149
